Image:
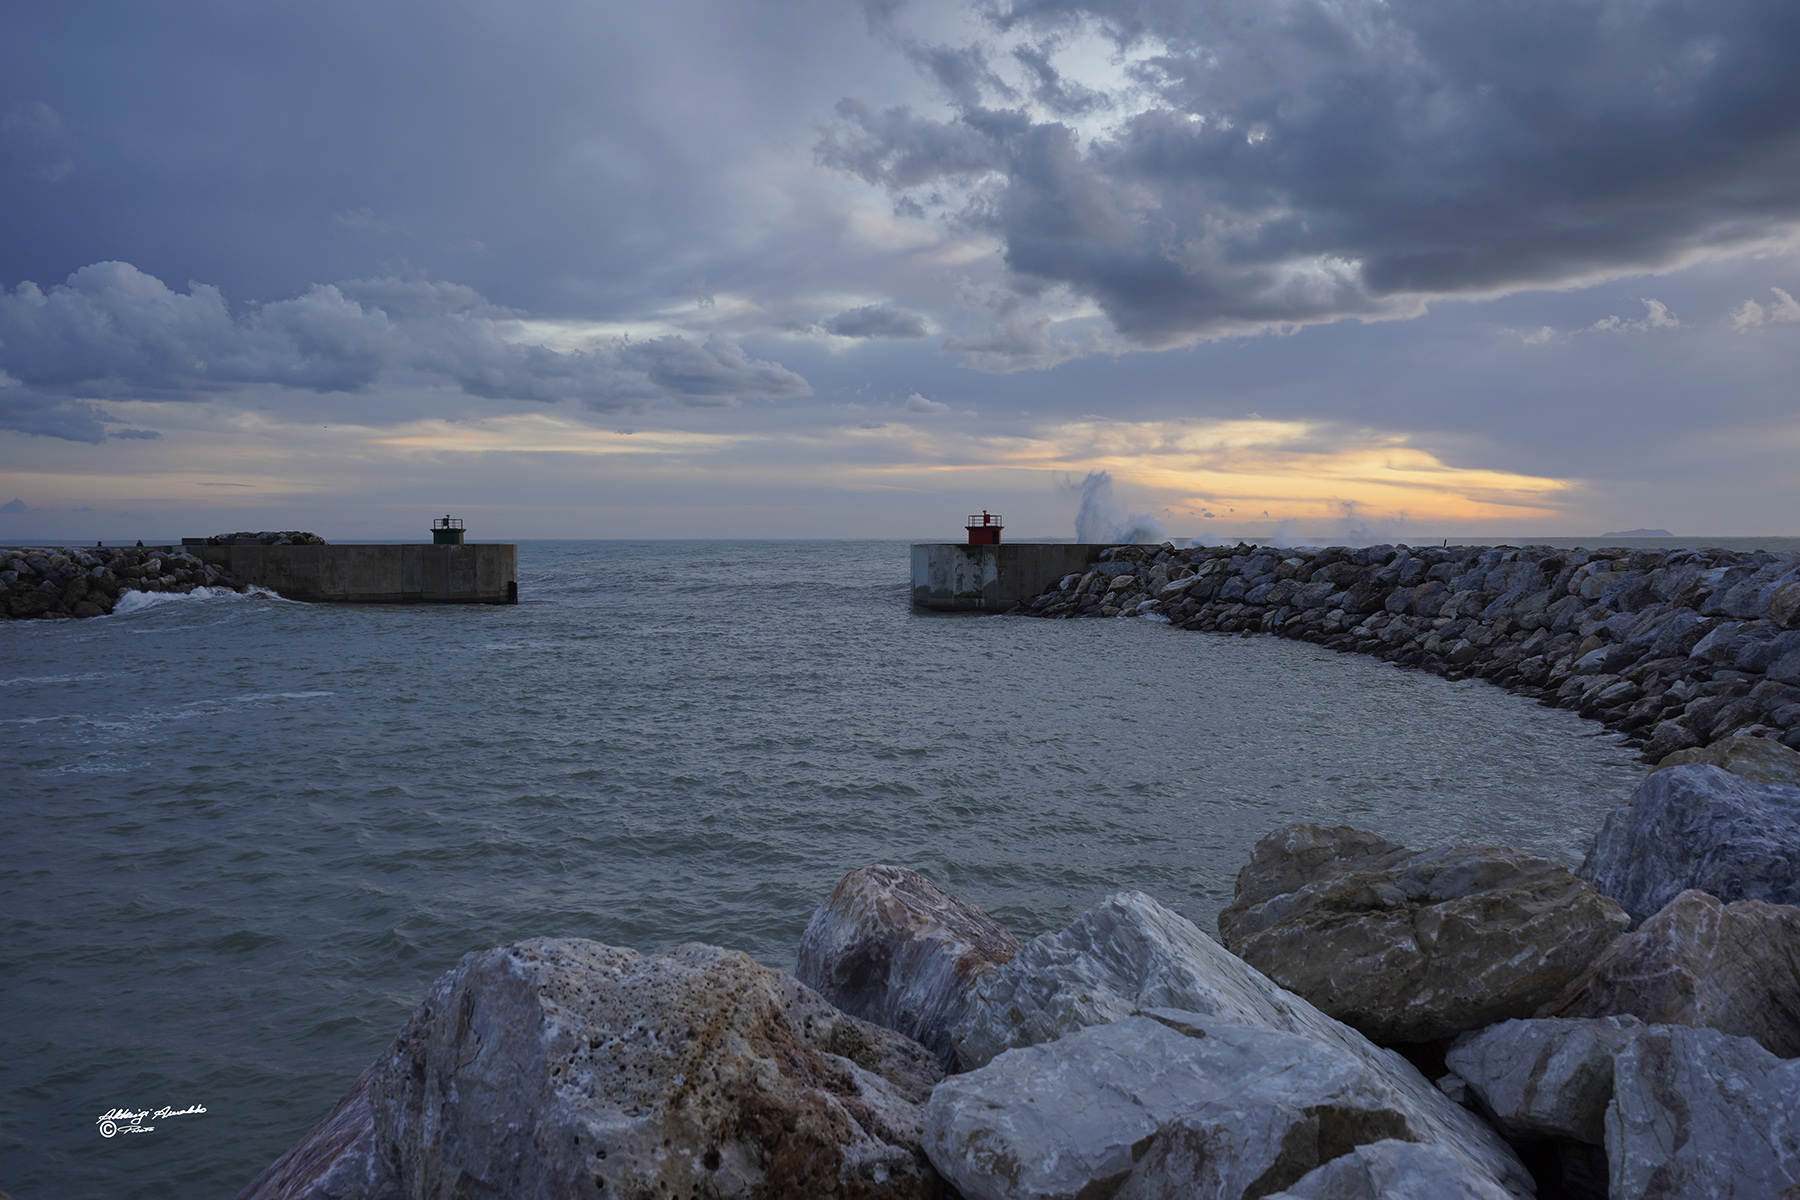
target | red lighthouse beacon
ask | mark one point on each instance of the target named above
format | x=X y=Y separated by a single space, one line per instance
x=984 y=529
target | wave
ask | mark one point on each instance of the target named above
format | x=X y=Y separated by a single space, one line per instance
x=136 y=602
x=23 y=680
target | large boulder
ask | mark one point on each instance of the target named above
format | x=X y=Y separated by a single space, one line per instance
x=1761 y=759
x=1161 y=1105
x=337 y=1160
x=1699 y=1113
x=1394 y=1170
x=1700 y=962
x=551 y=1069
x=1699 y=827
x=892 y=947
x=1413 y=946
x=1129 y=954
x=1543 y=1078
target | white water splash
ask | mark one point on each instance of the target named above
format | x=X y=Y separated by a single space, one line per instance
x=1100 y=521
x=136 y=602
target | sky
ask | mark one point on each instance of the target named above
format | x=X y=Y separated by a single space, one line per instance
x=1352 y=269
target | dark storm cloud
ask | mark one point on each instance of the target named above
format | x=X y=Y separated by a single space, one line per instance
x=1302 y=162
x=876 y=321
x=1049 y=88
x=113 y=331
x=961 y=71
x=577 y=159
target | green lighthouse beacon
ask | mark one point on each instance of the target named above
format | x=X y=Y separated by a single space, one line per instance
x=447 y=532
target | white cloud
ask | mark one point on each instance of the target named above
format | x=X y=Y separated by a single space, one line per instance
x=1656 y=316
x=916 y=403
x=1750 y=314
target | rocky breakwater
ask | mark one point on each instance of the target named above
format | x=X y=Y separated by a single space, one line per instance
x=73 y=581
x=268 y=537
x=1674 y=649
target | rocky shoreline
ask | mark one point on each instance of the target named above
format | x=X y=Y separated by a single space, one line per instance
x=1675 y=649
x=1374 y=1023
x=73 y=581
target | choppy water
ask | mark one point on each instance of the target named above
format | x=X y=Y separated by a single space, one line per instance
x=241 y=836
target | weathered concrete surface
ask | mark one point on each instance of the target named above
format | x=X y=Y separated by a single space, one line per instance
x=1129 y=954
x=1698 y=1113
x=1394 y=1170
x=950 y=577
x=1699 y=827
x=1143 y=1109
x=892 y=947
x=391 y=574
x=1544 y=1078
x=1413 y=947
x=1700 y=962
x=1761 y=759
x=337 y=1160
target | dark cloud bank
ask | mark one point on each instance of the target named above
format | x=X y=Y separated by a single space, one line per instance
x=1301 y=162
x=113 y=332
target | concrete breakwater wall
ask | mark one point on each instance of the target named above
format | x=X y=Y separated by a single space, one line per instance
x=376 y=574
x=74 y=581
x=1674 y=648
x=952 y=577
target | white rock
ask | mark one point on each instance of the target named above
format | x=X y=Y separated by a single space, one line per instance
x=1698 y=1113
x=1129 y=953
x=556 y=1068
x=1544 y=1077
x=1393 y=1170
x=892 y=947
x=1207 y=1110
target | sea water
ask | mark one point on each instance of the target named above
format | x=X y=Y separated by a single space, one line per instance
x=242 y=835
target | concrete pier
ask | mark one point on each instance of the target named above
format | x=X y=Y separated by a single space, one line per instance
x=952 y=577
x=389 y=574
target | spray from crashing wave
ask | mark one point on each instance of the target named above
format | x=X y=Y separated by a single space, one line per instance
x=136 y=602
x=1101 y=521
x=1353 y=527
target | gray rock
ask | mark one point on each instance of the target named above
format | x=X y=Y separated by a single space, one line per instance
x=1129 y=954
x=1784 y=604
x=1543 y=1077
x=1760 y=653
x=1210 y=1109
x=1717 y=642
x=1698 y=1113
x=1295 y=855
x=1699 y=827
x=561 y=1068
x=892 y=947
x=337 y=1160
x=1668 y=738
x=1699 y=962
x=1761 y=759
x=1412 y=947
x=1394 y=1170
